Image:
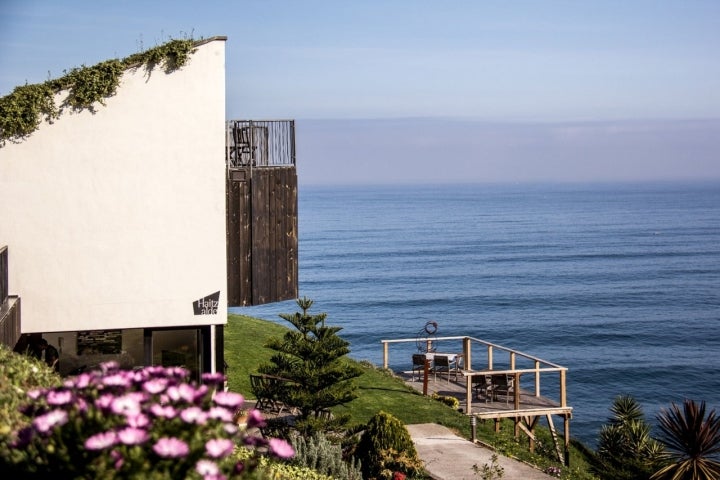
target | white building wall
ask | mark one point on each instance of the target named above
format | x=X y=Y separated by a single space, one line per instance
x=117 y=219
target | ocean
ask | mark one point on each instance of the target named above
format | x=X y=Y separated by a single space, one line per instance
x=620 y=283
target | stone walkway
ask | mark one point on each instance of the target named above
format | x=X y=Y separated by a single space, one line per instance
x=449 y=457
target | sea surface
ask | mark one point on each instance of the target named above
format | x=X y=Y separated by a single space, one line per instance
x=618 y=283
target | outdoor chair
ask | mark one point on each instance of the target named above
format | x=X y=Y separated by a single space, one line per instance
x=482 y=386
x=243 y=152
x=442 y=364
x=267 y=392
x=502 y=384
x=418 y=365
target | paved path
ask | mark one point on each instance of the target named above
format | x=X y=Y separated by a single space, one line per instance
x=449 y=457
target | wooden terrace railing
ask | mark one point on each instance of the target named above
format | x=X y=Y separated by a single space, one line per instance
x=516 y=365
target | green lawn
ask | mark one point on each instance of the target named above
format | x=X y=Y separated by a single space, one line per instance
x=378 y=390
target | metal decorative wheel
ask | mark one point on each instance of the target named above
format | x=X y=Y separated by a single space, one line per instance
x=424 y=338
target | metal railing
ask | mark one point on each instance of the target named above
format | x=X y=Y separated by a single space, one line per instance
x=260 y=143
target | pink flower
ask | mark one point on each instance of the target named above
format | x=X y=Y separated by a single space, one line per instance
x=59 y=397
x=206 y=467
x=117 y=458
x=52 y=419
x=219 y=447
x=167 y=411
x=82 y=381
x=171 y=447
x=398 y=476
x=255 y=419
x=182 y=392
x=213 y=378
x=119 y=379
x=220 y=413
x=102 y=440
x=127 y=405
x=281 y=448
x=132 y=436
x=155 y=386
x=35 y=393
x=103 y=402
x=109 y=367
x=138 y=421
x=228 y=399
x=194 y=415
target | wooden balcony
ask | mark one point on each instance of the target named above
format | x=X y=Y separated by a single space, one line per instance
x=539 y=387
x=262 y=209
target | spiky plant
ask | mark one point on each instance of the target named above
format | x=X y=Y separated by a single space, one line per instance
x=692 y=440
x=625 y=409
x=626 y=451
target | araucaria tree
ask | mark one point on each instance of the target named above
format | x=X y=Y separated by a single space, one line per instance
x=313 y=358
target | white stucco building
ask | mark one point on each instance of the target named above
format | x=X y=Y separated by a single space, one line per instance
x=115 y=221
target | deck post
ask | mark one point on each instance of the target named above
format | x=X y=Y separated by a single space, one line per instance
x=385 y=355
x=490 y=357
x=467 y=353
x=512 y=360
x=426 y=372
x=537 y=378
x=468 y=395
x=563 y=395
x=567 y=439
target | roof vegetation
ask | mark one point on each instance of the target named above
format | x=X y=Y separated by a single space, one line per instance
x=22 y=111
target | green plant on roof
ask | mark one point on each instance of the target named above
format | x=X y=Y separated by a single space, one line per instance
x=22 y=111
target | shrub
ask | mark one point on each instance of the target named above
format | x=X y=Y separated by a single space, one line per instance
x=20 y=374
x=451 y=402
x=320 y=454
x=625 y=448
x=386 y=447
x=148 y=423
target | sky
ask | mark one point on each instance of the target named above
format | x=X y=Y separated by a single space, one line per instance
x=402 y=91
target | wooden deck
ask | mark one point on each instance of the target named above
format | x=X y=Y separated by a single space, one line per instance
x=524 y=405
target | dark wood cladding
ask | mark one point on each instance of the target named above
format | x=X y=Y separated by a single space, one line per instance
x=9 y=305
x=4 y=290
x=262 y=239
x=10 y=321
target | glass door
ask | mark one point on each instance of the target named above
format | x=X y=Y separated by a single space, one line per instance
x=177 y=348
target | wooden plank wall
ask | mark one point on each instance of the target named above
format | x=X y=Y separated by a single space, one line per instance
x=4 y=289
x=262 y=235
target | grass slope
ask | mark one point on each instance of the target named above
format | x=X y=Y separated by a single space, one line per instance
x=378 y=390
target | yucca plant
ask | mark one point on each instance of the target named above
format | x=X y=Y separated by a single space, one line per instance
x=692 y=440
x=626 y=451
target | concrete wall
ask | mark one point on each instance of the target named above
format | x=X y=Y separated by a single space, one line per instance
x=117 y=219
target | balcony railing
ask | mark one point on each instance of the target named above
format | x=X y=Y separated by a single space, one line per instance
x=260 y=143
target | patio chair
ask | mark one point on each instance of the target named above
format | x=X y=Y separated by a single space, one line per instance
x=418 y=365
x=482 y=386
x=267 y=391
x=502 y=384
x=442 y=364
x=260 y=389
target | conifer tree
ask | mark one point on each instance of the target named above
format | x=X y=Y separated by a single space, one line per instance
x=312 y=358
